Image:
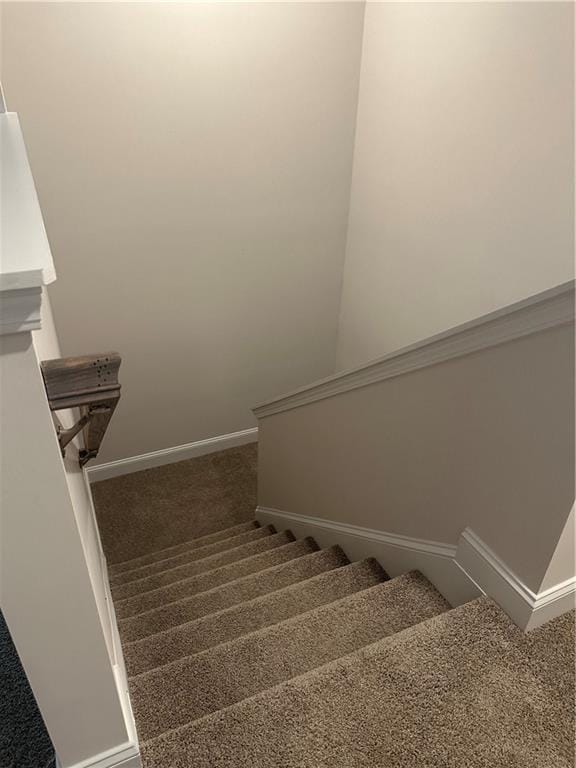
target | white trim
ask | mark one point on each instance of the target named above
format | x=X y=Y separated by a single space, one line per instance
x=125 y=755
x=170 y=455
x=16 y=281
x=397 y=553
x=459 y=573
x=549 y=309
x=25 y=246
x=20 y=310
x=525 y=607
x=391 y=539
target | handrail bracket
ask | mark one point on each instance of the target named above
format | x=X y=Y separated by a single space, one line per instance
x=89 y=383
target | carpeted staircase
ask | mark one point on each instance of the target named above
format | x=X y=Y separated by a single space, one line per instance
x=247 y=648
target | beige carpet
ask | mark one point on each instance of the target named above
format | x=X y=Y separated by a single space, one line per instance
x=233 y=593
x=463 y=689
x=197 y=497
x=247 y=648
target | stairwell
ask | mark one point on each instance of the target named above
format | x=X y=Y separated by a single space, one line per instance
x=248 y=647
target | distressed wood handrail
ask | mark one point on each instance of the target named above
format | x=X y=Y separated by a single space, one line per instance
x=89 y=383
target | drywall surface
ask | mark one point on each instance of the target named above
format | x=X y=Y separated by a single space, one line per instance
x=485 y=441
x=193 y=165
x=47 y=347
x=563 y=563
x=46 y=591
x=463 y=179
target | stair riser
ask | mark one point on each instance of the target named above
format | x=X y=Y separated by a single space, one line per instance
x=244 y=589
x=196 y=567
x=199 y=635
x=242 y=668
x=162 y=554
x=190 y=555
x=205 y=581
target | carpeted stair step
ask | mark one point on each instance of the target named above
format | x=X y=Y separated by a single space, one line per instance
x=192 y=554
x=203 y=633
x=131 y=606
x=466 y=688
x=162 y=554
x=194 y=686
x=246 y=588
x=195 y=567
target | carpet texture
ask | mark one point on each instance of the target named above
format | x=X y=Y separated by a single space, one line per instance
x=163 y=554
x=24 y=740
x=277 y=653
x=196 y=636
x=131 y=606
x=233 y=593
x=466 y=688
x=195 y=567
x=191 y=555
x=198 y=497
x=247 y=648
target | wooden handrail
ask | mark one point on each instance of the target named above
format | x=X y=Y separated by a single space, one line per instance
x=89 y=383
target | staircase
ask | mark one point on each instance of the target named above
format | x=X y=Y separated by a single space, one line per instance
x=250 y=648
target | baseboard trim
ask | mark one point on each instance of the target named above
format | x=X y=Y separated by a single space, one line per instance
x=123 y=756
x=397 y=553
x=391 y=539
x=460 y=573
x=170 y=455
x=525 y=607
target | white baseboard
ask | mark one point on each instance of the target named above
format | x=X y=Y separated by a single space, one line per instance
x=170 y=455
x=124 y=756
x=526 y=608
x=459 y=573
x=397 y=554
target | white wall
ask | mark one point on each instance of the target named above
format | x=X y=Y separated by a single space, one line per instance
x=563 y=562
x=462 y=191
x=46 y=589
x=485 y=441
x=47 y=347
x=193 y=164
x=53 y=591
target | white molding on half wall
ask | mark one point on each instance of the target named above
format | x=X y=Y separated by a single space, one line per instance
x=124 y=756
x=396 y=553
x=459 y=573
x=170 y=455
x=391 y=539
x=537 y=313
x=526 y=608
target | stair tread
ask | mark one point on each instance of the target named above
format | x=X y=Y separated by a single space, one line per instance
x=240 y=668
x=444 y=692
x=202 y=582
x=191 y=554
x=196 y=567
x=237 y=620
x=161 y=554
x=244 y=588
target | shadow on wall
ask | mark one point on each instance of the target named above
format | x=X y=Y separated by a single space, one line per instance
x=24 y=741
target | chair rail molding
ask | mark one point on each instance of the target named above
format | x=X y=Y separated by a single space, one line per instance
x=545 y=310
